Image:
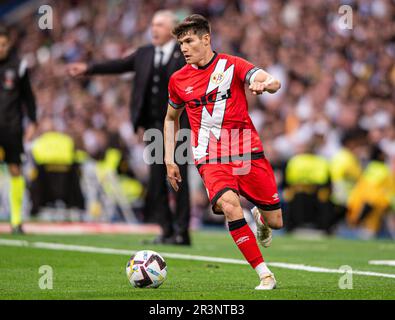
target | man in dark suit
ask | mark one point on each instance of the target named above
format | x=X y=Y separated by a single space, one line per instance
x=153 y=65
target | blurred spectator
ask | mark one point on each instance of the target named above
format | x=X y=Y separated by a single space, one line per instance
x=372 y=197
x=346 y=169
x=307 y=193
x=56 y=174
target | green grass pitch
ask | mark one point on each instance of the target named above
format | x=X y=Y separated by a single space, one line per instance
x=80 y=275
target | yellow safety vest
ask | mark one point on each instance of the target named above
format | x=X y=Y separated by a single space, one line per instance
x=345 y=166
x=376 y=187
x=54 y=148
x=345 y=172
x=307 y=169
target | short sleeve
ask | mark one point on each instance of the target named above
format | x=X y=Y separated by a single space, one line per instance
x=245 y=70
x=174 y=99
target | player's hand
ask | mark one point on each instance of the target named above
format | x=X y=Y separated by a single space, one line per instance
x=77 y=69
x=257 y=87
x=30 y=131
x=173 y=175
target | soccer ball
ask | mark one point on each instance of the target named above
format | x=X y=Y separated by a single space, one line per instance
x=146 y=269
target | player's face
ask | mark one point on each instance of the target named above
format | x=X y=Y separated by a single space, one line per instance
x=194 y=47
x=4 y=47
x=161 y=30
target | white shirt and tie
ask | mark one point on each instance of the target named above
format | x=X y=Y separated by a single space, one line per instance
x=161 y=58
x=163 y=53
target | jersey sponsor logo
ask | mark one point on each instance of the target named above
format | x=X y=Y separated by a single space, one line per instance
x=211 y=97
x=212 y=123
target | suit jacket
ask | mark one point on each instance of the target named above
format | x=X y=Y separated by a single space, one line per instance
x=140 y=62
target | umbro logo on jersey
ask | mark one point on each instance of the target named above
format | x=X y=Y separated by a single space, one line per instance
x=242 y=240
x=189 y=90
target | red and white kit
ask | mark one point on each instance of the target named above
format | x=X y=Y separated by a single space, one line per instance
x=226 y=147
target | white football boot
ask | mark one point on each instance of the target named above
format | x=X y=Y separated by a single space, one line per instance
x=263 y=232
x=268 y=282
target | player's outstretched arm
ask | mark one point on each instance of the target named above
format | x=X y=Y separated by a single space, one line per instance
x=171 y=127
x=264 y=81
x=117 y=66
x=77 y=69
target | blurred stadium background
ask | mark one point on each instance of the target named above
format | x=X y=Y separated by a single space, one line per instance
x=337 y=91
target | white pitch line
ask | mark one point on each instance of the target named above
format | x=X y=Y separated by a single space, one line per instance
x=383 y=262
x=88 y=249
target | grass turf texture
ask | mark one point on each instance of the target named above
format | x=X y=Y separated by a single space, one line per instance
x=80 y=275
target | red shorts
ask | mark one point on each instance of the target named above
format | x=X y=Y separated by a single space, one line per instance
x=253 y=179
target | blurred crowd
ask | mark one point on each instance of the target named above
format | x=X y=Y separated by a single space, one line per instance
x=334 y=79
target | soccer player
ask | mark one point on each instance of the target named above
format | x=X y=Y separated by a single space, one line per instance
x=211 y=89
x=15 y=92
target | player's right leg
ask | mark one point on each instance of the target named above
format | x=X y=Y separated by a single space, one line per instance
x=229 y=204
x=17 y=189
x=13 y=148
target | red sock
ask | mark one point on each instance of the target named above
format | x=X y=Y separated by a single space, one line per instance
x=246 y=241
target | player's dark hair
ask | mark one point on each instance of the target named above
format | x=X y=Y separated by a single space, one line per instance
x=377 y=154
x=4 y=32
x=353 y=135
x=195 y=23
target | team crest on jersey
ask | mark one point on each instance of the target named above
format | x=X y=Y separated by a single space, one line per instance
x=217 y=77
x=9 y=79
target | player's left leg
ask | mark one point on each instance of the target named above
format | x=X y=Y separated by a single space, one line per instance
x=259 y=186
x=17 y=189
x=266 y=221
x=273 y=218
